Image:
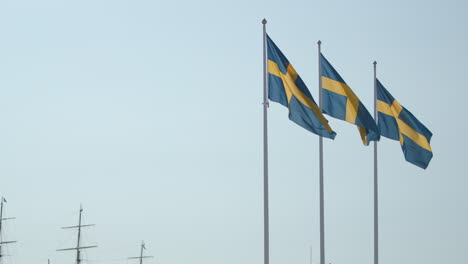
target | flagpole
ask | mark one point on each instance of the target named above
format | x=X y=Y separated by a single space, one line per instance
x=266 y=244
x=376 y=196
x=322 y=224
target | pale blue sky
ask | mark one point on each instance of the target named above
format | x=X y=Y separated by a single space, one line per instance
x=149 y=113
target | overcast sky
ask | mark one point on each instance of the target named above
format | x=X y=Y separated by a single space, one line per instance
x=149 y=114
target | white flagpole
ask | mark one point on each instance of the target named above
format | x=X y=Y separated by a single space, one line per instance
x=376 y=196
x=322 y=223
x=266 y=244
x=311 y=259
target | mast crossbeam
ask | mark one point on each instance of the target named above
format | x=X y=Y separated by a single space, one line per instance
x=65 y=249
x=77 y=226
x=7 y=242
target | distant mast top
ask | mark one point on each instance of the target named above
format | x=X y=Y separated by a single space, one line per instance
x=78 y=247
x=141 y=257
x=1 y=225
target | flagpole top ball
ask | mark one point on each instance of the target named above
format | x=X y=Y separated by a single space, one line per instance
x=319 y=42
x=264 y=21
x=375 y=62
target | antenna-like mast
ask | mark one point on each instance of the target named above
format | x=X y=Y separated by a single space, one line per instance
x=1 y=221
x=141 y=257
x=78 y=247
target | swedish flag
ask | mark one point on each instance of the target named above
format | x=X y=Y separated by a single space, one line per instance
x=397 y=123
x=287 y=88
x=339 y=101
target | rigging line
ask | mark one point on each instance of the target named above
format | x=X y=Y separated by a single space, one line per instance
x=67 y=240
x=64 y=241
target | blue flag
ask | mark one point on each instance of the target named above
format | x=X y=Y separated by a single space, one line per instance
x=287 y=88
x=340 y=102
x=397 y=123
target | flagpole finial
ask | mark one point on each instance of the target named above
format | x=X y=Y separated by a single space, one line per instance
x=319 y=42
x=375 y=63
x=264 y=21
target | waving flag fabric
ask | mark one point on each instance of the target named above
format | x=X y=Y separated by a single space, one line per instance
x=287 y=88
x=397 y=123
x=339 y=101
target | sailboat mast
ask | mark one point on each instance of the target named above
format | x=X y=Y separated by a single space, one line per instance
x=1 y=221
x=141 y=257
x=78 y=260
x=141 y=252
x=78 y=247
x=1 y=215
